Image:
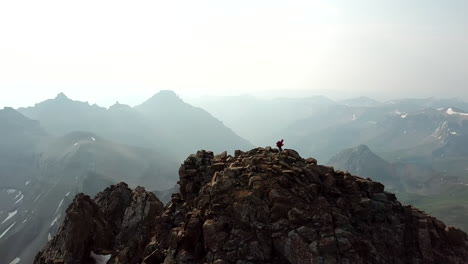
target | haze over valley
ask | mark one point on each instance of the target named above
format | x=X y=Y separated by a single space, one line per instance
x=233 y=132
x=60 y=147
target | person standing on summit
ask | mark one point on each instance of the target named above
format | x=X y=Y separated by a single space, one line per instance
x=280 y=145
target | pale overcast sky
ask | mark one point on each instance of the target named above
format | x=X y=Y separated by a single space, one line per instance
x=104 y=51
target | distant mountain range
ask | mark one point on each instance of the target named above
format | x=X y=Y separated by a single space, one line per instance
x=40 y=174
x=320 y=127
x=390 y=130
x=61 y=147
x=419 y=146
x=163 y=122
x=250 y=117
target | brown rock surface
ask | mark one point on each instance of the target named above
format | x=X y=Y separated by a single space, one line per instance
x=259 y=206
x=117 y=223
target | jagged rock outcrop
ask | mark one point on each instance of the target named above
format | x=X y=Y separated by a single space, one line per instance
x=263 y=206
x=116 y=224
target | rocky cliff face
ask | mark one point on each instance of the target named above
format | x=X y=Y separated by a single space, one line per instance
x=256 y=207
x=116 y=223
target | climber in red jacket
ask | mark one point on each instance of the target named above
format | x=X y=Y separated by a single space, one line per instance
x=280 y=145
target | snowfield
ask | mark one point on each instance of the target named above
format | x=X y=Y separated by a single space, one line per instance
x=8 y=229
x=10 y=215
x=15 y=261
x=451 y=112
x=100 y=259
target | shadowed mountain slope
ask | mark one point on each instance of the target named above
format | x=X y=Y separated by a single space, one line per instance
x=40 y=174
x=164 y=122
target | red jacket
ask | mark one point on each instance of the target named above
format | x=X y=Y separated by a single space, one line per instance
x=279 y=144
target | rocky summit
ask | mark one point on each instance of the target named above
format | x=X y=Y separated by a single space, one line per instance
x=259 y=206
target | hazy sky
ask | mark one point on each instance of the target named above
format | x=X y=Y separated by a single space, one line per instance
x=104 y=51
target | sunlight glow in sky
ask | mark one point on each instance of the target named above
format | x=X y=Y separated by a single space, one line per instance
x=107 y=51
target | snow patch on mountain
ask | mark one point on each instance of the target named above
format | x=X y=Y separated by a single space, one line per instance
x=441 y=133
x=15 y=261
x=37 y=197
x=10 y=191
x=10 y=215
x=100 y=259
x=8 y=229
x=18 y=195
x=58 y=207
x=55 y=220
x=401 y=114
x=451 y=112
x=20 y=199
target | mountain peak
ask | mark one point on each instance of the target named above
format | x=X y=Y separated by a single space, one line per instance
x=164 y=99
x=7 y=109
x=165 y=96
x=167 y=93
x=362 y=149
x=61 y=96
x=362 y=161
x=259 y=206
x=10 y=113
x=119 y=106
x=356 y=156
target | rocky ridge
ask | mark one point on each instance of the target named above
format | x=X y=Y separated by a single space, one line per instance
x=259 y=206
x=115 y=223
